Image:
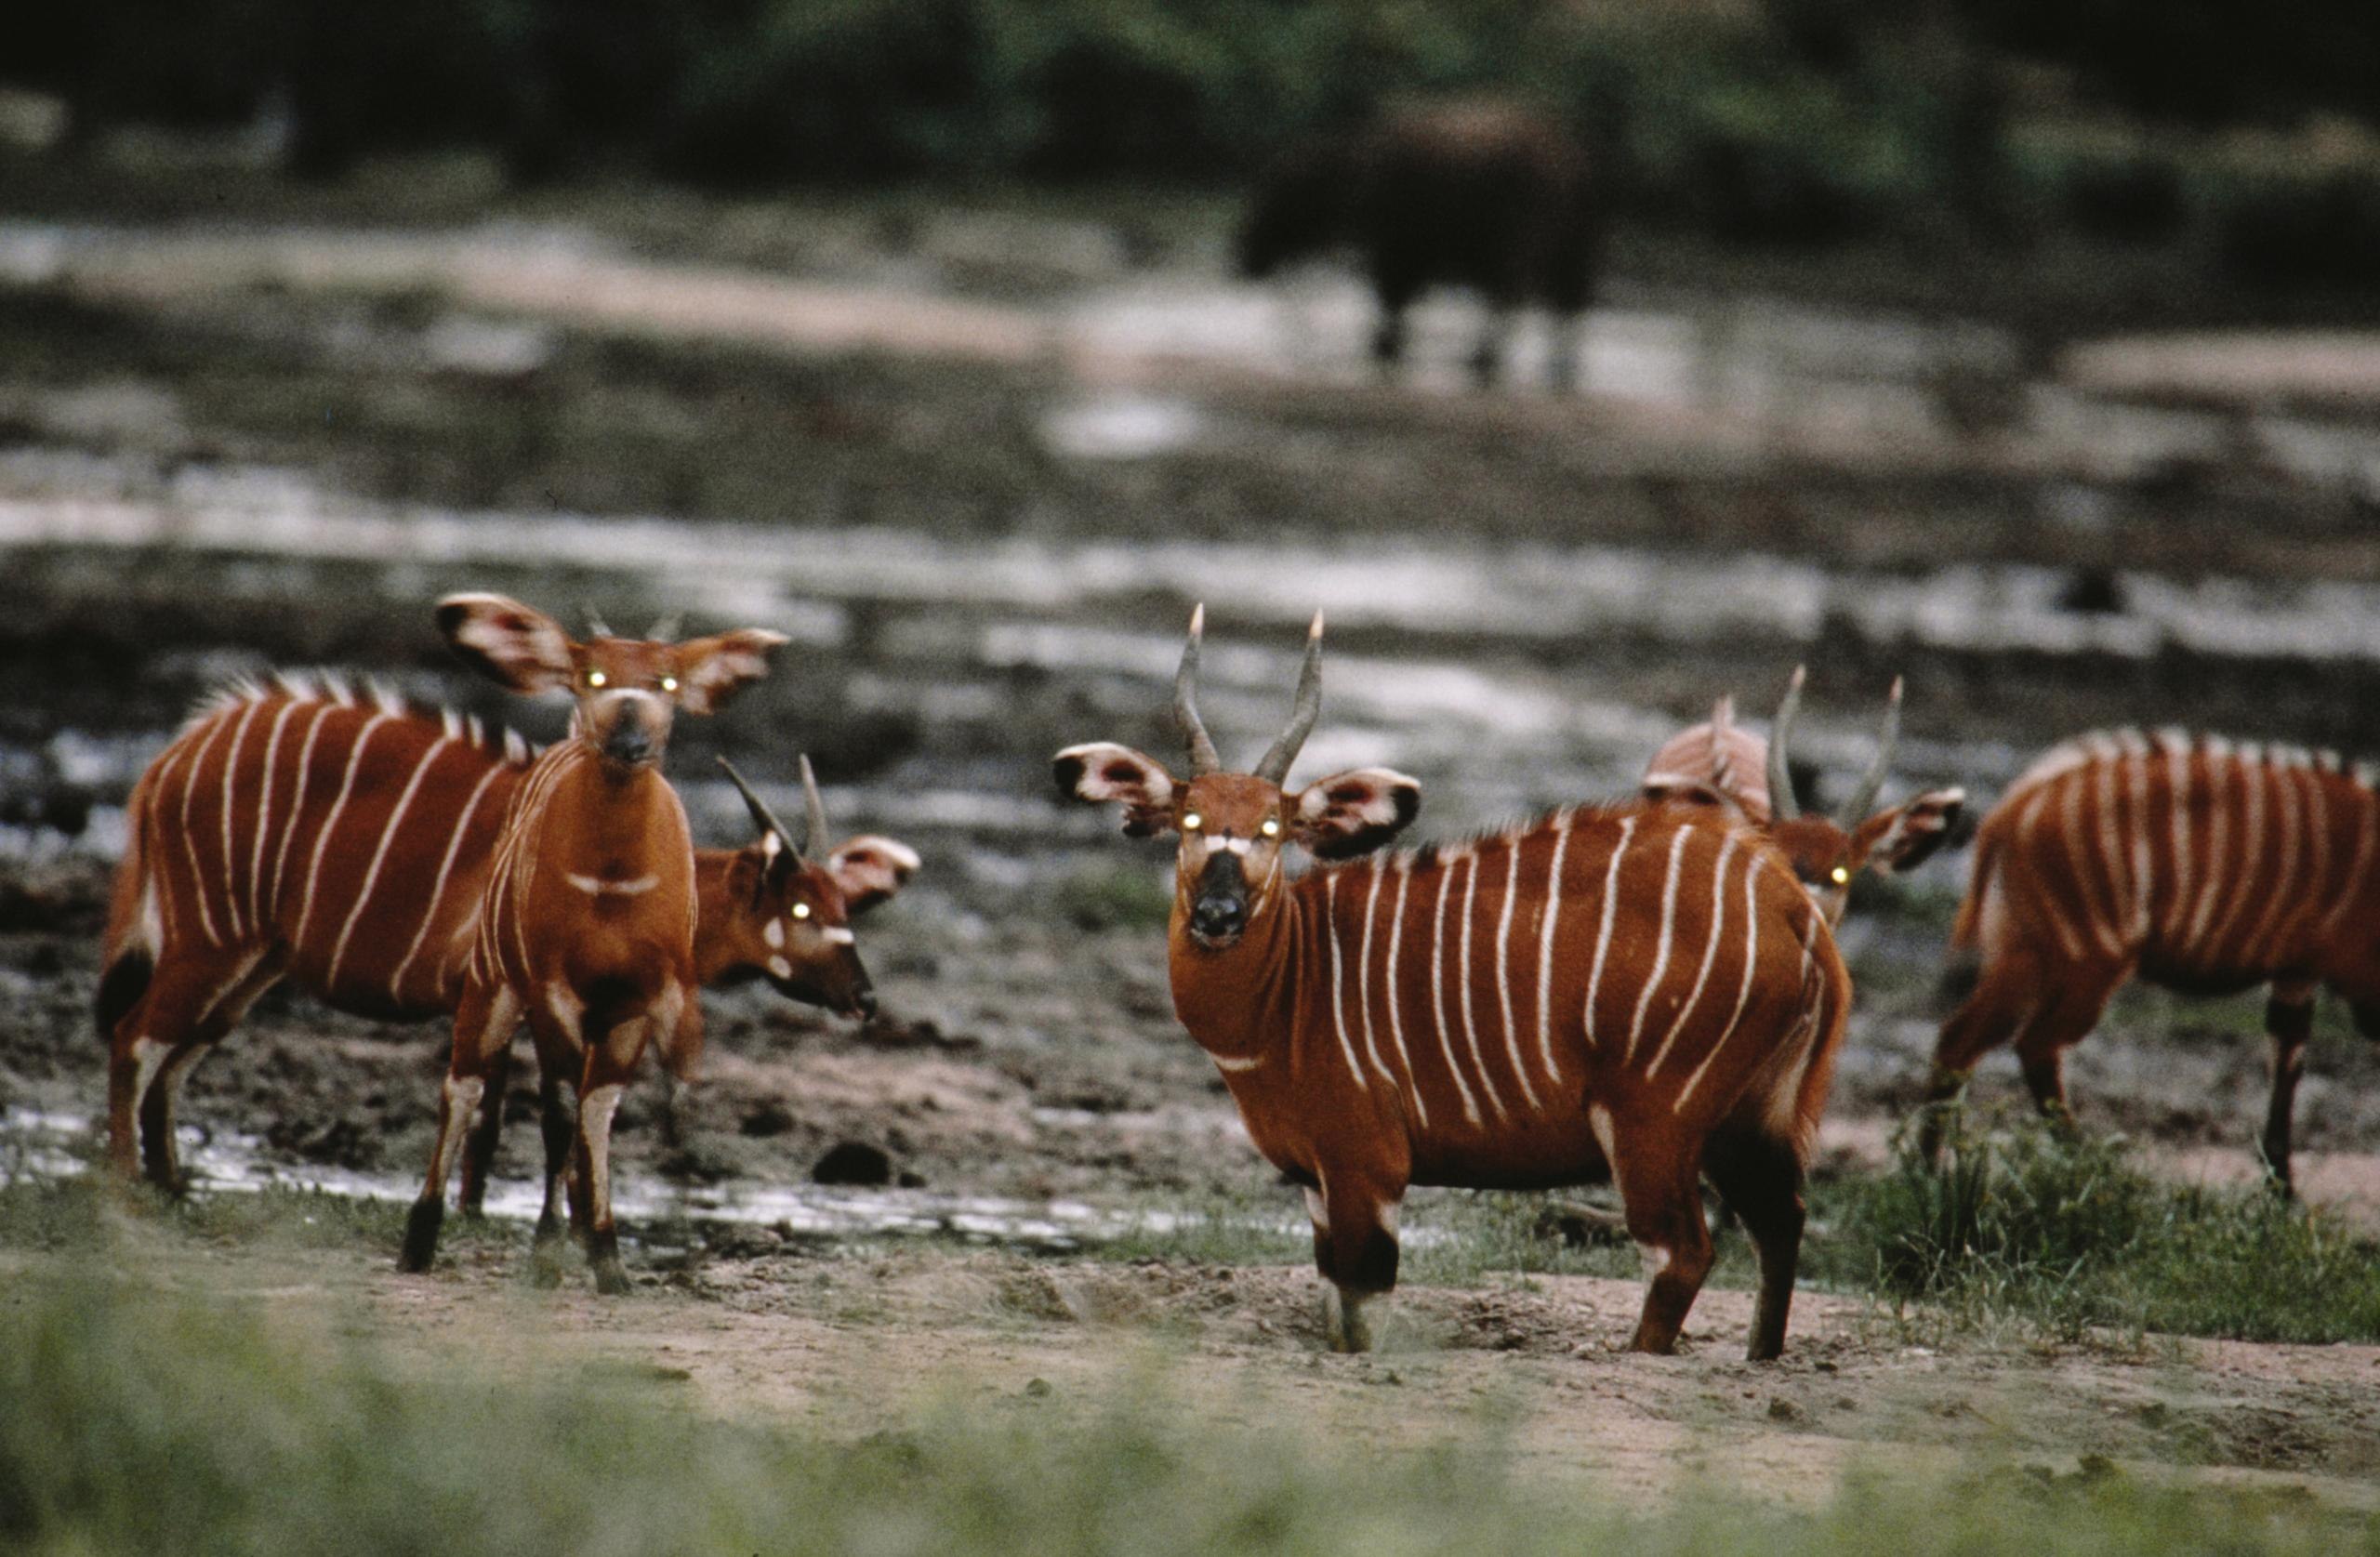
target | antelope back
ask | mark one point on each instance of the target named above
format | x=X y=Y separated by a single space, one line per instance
x=2205 y=860
x=347 y=829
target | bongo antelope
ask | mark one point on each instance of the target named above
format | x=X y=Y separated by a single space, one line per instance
x=299 y=830
x=586 y=924
x=1643 y=992
x=2190 y=862
x=1722 y=764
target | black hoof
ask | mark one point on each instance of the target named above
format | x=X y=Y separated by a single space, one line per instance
x=611 y=1277
x=421 y=1236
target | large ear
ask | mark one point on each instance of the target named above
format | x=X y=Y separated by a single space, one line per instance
x=1353 y=812
x=1908 y=835
x=711 y=670
x=507 y=641
x=869 y=869
x=1103 y=770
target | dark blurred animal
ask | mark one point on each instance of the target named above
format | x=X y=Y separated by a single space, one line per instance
x=1483 y=195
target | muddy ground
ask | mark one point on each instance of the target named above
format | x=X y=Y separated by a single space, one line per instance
x=979 y=464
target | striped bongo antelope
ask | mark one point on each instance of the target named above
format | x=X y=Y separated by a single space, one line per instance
x=1720 y=764
x=2204 y=867
x=1638 y=992
x=586 y=924
x=298 y=830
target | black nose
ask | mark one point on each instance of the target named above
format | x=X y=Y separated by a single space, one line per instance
x=1216 y=917
x=629 y=742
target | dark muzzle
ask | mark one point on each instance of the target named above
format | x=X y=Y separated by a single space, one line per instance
x=629 y=741
x=1219 y=911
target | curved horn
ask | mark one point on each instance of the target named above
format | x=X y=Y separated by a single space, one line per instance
x=1781 y=804
x=596 y=625
x=816 y=819
x=1186 y=701
x=1872 y=784
x=666 y=629
x=1302 y=714
x=762 y=817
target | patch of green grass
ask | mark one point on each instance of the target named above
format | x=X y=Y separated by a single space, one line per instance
x=1124 y=896
x=2065 y=1233
x=141 y=1423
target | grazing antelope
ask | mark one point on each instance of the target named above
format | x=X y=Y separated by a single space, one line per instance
x=586 y=924
x=1722 y=764
x=1484 y=196
x=298 y=830
x=1642 y=992
x=2186 y=861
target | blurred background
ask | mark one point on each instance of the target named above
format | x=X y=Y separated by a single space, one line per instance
x=2026 y=350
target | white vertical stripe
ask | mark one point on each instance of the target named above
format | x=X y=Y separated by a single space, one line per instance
x=2110 y=841
x=1710 y=954
x=1603 y=933
x=1743 y=994
x=2367 y=814
x=429 y=915
x=2179 y=778
x=2077 y=854
x=1545 y=953
x=1662 y=955
x=1363 y=976
x=2135 y=772
x=1338 y=982
x=330 y=825
x=190 y=843
x=296 y=800
x=1503 y=970
x=258 y=903
x=231 y=773
x=2028 y=827
x=2251 y=794
x=1439 y=1000
x=380 y=856
x=2219 y=774
x=1465 y=979
x=1395 y=993
x=2282 y=900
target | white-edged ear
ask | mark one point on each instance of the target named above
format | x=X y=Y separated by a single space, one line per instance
x=511 y=644
x=1907 y=836
x=1353 y=812
x=712 y=669
x=871 y=869
x=1102 y=772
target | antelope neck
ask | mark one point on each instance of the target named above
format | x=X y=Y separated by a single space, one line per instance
x=1239 y=1003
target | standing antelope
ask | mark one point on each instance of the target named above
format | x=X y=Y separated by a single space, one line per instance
x=1643 y=992
x=586 y=924
x=296 y=830
x=1720 y=764
x=2194 y=863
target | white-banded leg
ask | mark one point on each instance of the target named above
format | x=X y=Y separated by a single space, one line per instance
x=610 y=1064
x=483 y=1023
x=1355 y=1246
x=2289 y=1018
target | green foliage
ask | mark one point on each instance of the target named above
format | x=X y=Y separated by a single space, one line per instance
x=2065 y=1232
x=1126 y=896
x=138 y=1422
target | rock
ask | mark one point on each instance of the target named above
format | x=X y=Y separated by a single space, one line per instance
x=767 y=1120
x=853 y=1161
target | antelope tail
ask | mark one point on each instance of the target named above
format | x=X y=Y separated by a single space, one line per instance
x=1967 y=929
x=128 y=960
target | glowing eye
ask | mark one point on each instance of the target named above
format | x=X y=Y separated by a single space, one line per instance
x=596 y=677
x=801 y=910
x=1839 y=875
x=1272 y=827
x=1192 y=822
x=668 y=683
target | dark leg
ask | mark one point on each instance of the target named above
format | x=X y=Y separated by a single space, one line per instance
x=1355 y=1248
x=559 y=1121
x=2289 y=1018
x=1488 y=354
x=1397 y=293
x=1659 y=1184
x=484 y=1025
x=2065 y=1020
x=478 y=1148
x=1564 y=340
x=1760 y=1180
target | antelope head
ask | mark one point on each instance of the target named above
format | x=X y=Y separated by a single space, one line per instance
x=1827 y=851
x=789 y=910
x=626 y=690
x=1233 y=826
